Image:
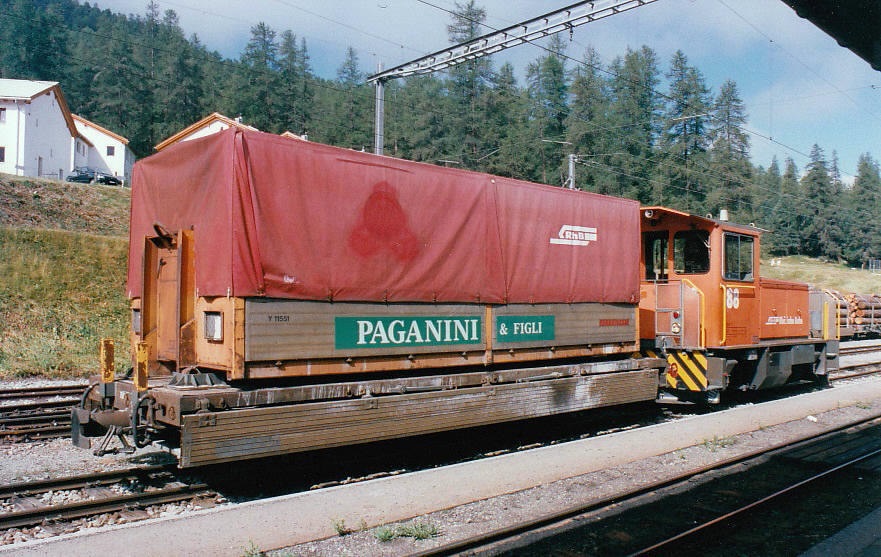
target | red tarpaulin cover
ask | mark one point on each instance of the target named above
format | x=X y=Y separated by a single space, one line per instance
x=285 y=218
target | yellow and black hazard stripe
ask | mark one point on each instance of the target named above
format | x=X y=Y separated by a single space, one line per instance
x=687 y=370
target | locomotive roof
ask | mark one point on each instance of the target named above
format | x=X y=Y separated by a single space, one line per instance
x=708 y=220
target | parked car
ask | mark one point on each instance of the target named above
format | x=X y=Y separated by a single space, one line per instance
x=86 y=175
x=107 y=179
x=82 y=175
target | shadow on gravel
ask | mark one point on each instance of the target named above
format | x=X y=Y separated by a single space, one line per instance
x=153 y=459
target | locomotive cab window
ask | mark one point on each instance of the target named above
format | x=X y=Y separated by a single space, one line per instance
x=691 y=252
x=738 y=257
x=655 y=253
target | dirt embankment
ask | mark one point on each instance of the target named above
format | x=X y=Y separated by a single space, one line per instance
x=49 y=204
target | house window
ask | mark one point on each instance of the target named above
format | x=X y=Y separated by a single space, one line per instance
x=2 y=114
x=111 y=150
x=2 y=154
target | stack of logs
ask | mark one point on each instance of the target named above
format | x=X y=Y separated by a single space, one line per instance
x=857 y=309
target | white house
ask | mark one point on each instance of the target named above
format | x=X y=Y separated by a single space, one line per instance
x=110 y=153
x=40 y=137
x=213 y=123
x=37 y=132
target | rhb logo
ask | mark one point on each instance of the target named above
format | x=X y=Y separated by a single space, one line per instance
x=571 y=235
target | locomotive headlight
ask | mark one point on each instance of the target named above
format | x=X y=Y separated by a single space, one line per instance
x=675 y=328
x=214 y=326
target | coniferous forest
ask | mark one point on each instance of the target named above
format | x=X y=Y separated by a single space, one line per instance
x=644 y=128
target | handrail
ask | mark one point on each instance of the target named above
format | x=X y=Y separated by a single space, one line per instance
x=825 y=320
x=724 y=317
x=700 y=321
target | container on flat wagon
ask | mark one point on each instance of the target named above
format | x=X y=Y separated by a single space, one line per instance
x=261 y=256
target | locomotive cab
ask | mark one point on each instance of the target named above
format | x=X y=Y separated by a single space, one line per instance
x=719 y=324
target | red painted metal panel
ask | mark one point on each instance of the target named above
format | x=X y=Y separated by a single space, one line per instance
x=785 y=311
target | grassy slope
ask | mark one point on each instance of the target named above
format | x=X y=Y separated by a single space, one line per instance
x=62 y=276
x=823 y=275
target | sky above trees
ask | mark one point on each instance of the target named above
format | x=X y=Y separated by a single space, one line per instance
x=800 y=87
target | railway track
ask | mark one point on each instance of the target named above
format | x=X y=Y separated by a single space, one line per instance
x=650 y=520
x=71 y=391
x=852 y=350
x=62 y=500
x=37 y=412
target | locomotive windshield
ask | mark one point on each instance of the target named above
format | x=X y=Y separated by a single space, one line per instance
x=738 y=257
x=691 y=252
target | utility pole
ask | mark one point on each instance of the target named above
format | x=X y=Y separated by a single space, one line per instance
x=570 y=181
x=379 y=124
x=564 y=19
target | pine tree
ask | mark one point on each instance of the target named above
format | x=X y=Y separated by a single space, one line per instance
x=179 y=100
x=548 y=86
x=256 y=95
x=423 y=109
x=822 y=237
x=685 y=140
x=786 y=212
x=587 y=125
x=295 y=92
x=634 y=116
x=33 y=45
x=350 y=114
x=506 y=117
x=864 y=204
x=730 y=170
x=469 y=83
x=120 y=88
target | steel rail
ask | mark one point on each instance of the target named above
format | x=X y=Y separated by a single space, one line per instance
x=37 y=432
x=47 y=417
x=850 y=350
x=80 y=481
x=495 y=538
x=82 y=509
x=668 y=543
x=31 y=406
x=42 y=418
x=31 y=392
x=860 y=370
x=35 y=420
x=92 y=507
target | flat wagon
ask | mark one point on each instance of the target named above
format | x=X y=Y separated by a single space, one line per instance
x=290 y=296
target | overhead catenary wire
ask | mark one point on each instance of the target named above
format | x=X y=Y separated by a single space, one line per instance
x=611 y=73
